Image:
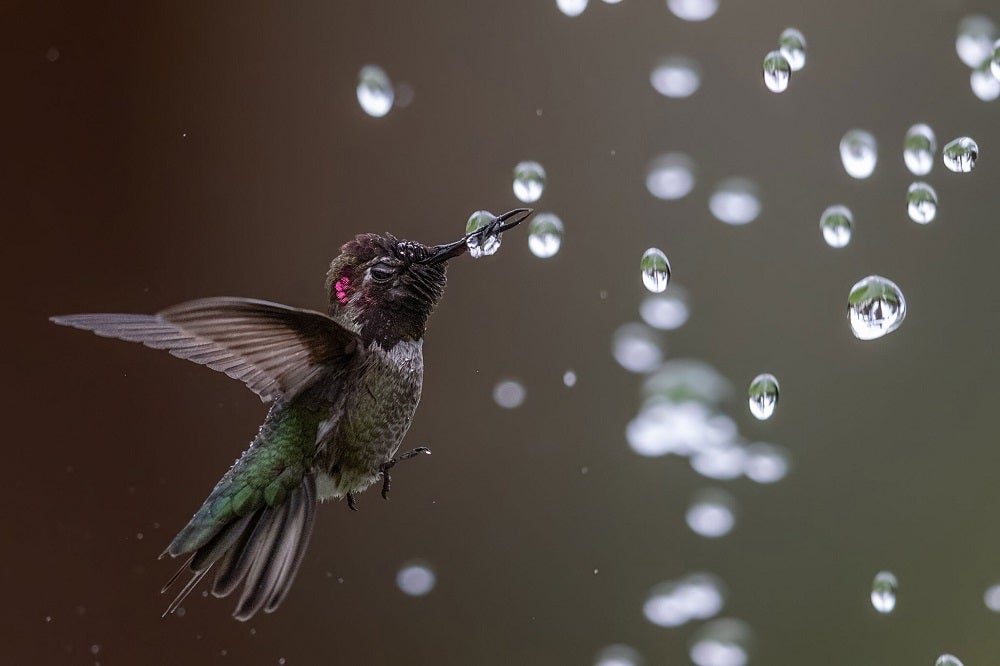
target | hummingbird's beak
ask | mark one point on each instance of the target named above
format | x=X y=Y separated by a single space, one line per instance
x=501 y=223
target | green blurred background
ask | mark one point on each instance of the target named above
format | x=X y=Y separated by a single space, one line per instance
x=170 y=151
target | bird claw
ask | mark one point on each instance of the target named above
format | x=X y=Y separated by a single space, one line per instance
x=389 y=464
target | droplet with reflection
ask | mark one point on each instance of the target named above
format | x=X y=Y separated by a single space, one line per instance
x=655 y=270
x=667 y=312
x=921 y=202
x=763 y=396
x=875 y=307
x=416 y=578
x=509 y=393
x=693 y=10
x=375 y=91
x=918 y=149
x=884 y=589
x=711 y=513
x=974 y=41
x=670 y=176
x=545 y=233
x=765 y=463
x=724 y=642
x=676 y=76
x=481 y=246
x=571 y=7
x=618 y=655
x=984 y=83
x=792 y=45
x=735 y=201
x=960 y=155
x=636 y=347
x=529 y=181
x=837 y=224
x=858 y=153
x=948 y=660
x=777 y=72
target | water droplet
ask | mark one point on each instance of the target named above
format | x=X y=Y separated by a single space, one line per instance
x=763 y=396
x=948 y=660
x=735 y=201
x=974 y=41
x=618 y=655
x=858 y=153
x=666 y=312
x=693 y=10
x=792 y=45
x=673 y=603
x=94 y=649
x=724 y=642
x=670 y=176
x=960 y=155
x=416 y=579
x=636 y=348
x=765 y=463
x=375 y=92
x=481 y=246
x=545 y=232
x=571 y=7
x=569 y=378
x=884 y=589
x=837 y=223
x=509 y=394
x=676 y=76
x=918 y=149
x=52 y=54
x=921 y=202
x=683 y=379
x=655 y=270
x=995 y=60
x=529 y=181
x=984 y=82
x=991 y=597
x=875 y=307
x=777 y=72
x=722 y=462
x=404 y=94
x=710 y=513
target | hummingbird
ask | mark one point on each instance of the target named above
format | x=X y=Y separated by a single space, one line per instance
x=342 y=389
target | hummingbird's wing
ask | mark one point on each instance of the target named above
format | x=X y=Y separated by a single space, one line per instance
x=274 y=349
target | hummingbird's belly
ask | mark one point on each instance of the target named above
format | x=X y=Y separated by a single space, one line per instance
x=376 y=415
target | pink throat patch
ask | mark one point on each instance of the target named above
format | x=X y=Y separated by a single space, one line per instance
x=340 y=287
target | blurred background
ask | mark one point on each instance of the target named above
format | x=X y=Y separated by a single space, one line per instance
x=617 y=492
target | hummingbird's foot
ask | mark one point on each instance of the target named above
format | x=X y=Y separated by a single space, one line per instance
x=389 y=464
x=350 y=502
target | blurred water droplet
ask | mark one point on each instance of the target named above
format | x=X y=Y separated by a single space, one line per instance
x=571 y=7
x=545 y=233
x=875 y=307
x=792 y=45
x=416 y=579
x=837 y=224
x=722 y=461
x=684 y=379
x=735 y=201
x=991 y=597
x=884 y=589
x=995 y=60
x=984 y=82
x=724 y=642
x=858 y=153
x=404 y=95
x=670 y=176
x=52 y=54
x=618 y=655
x=663 y=427
x=655 y=270
x=777 y=72
x=763 y=396
x=636 y=348
x=918 y=149
x=765 y=463
x=94 y=649
x=673 y=603
x=693 y=10
x=960 y=155
x=569 y=378
x=948 y=660
x=481 y=246
x=921 y=202
x=529 y=181
x=375 y=92
x=676 y=76
x=666 y=312
x=711 y=513
x=974 y=41
x=509 y=394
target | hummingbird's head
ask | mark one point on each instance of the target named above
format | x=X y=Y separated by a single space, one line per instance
x=389 y=287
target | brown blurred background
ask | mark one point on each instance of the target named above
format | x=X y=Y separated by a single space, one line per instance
x=169 y=151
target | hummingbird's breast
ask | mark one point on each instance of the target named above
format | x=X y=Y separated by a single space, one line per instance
x=382 y=396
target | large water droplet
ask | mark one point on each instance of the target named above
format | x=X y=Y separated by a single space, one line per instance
x=618 y=655
x=875 y=307
x=984 y=82
x=921 y=202
x=545 y=234
x=948 y=660
x=655 y=270
x=918 y=149
x=735 y=201
x=670 y=176
x=763 y=396
x=509 y=393
x=711 y=513
x=416 y=579
x=693 y=10
x=724 y=642
x=837 y=223
x=665 y=311
x=777 y=72
x=694 y=597
x=636 y=348
x=481 y=246
x=960 y=155
x=375 y=92
x=571 y=7
x=529 y=181
x=974 y=41
x=884 y=591
x=792 y=45
x=676 y=76
x=765 y=463
x=858 y=153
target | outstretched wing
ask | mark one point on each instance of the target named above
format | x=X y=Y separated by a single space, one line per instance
x=274 y=349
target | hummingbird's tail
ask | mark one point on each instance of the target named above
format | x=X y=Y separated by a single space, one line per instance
x=261 y=551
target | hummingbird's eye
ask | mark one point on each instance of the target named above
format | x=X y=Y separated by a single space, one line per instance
x=381 y=273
